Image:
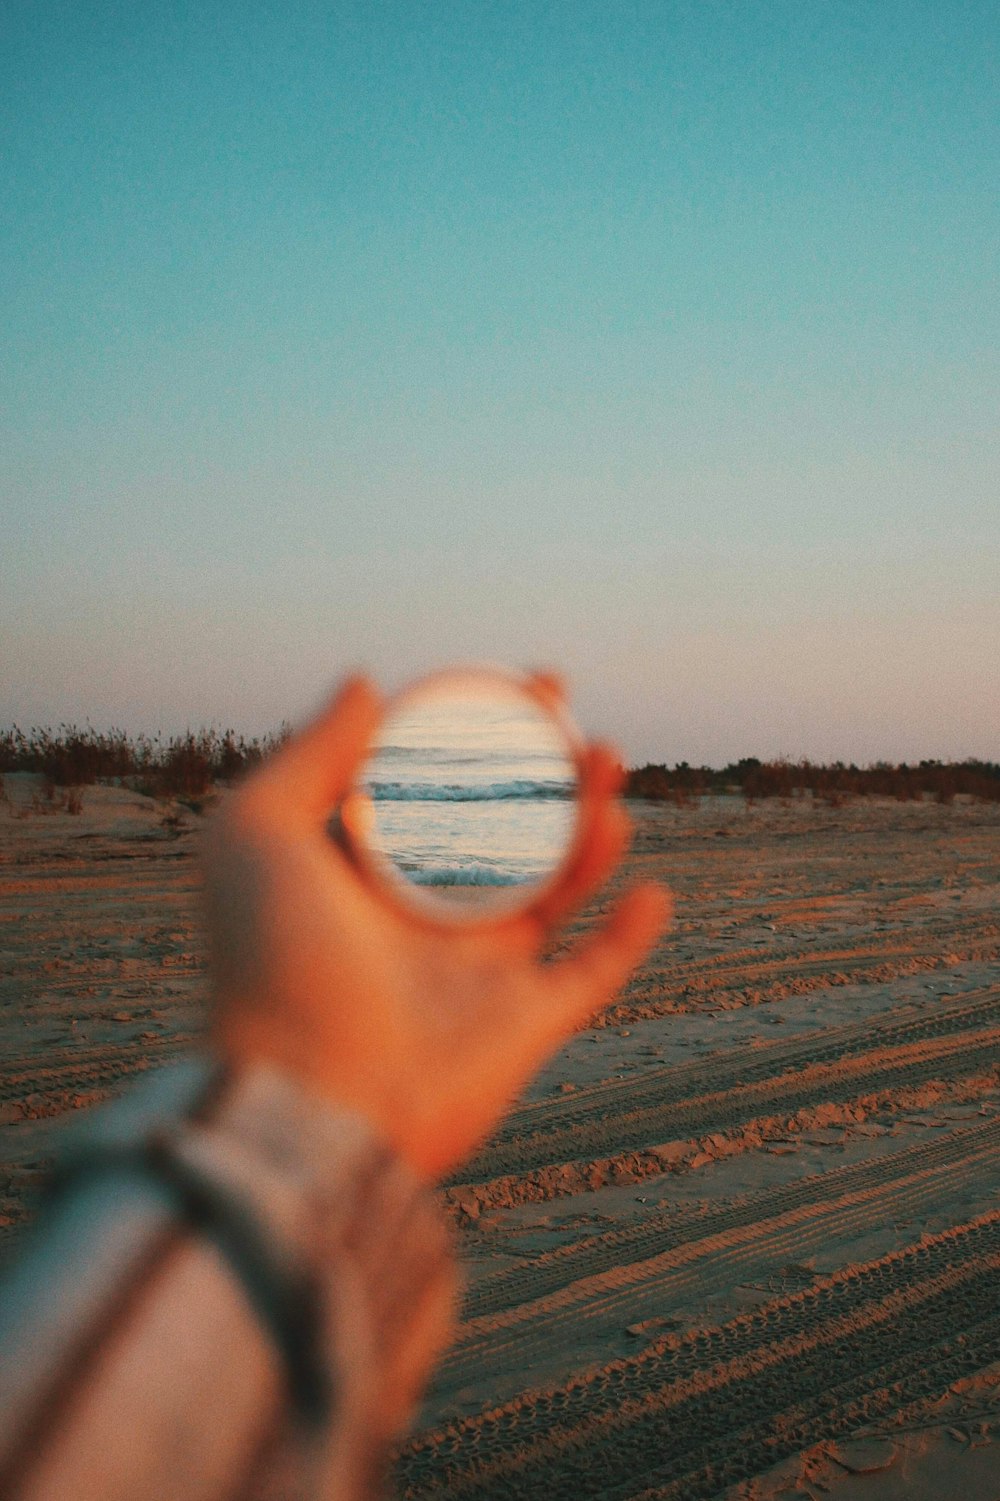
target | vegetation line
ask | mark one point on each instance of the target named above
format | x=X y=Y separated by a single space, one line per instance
x=189 y=765
x=834 y=784
x=184 y=766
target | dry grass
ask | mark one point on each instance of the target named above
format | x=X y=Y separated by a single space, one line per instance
x=833 y=785
x=185 y=766
x=189 y=765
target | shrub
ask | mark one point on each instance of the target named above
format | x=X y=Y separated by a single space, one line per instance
x=683 y=785
x=832 y=784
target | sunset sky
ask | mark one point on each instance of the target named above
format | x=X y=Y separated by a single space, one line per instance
x=653 y=341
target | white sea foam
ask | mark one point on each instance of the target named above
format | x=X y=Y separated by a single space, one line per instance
x=465 y=796
x=470 y=792
x=464 y=875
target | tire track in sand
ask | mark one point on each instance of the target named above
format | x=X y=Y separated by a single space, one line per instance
x=620 y=1133
x=744 y=976
x=604 y=1282
x=48 y=1087
x=904 y=1024
x=695 y=1413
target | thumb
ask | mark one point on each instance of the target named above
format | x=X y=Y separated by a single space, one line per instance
x=316 y=769
x=588 y=979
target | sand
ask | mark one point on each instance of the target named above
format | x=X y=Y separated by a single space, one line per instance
x=740 y=1239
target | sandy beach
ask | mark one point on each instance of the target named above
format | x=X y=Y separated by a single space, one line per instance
x=741 y=1238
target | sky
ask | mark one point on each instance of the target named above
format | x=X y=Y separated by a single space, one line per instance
x=652 y=341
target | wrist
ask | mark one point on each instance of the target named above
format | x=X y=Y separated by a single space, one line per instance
x=317 y=1219
x=246 y=1041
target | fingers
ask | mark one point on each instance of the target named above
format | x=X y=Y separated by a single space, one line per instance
x=586 y=981
x=606 y=841
x=318 y=767
x=604 y=835
x=550 y=687
x=601 y=773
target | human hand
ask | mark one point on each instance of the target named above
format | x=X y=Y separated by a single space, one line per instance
x=428 y=1033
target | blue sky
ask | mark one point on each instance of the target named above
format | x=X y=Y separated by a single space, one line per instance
x=655 y=341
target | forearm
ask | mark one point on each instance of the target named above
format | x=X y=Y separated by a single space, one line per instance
x=174 y=1397
x=142 y=1363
